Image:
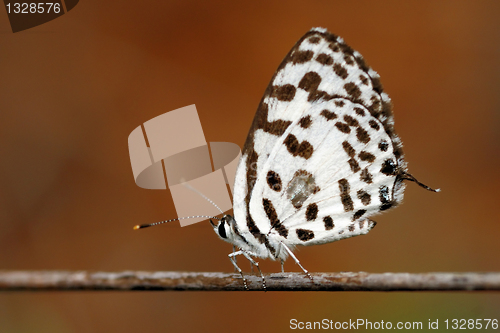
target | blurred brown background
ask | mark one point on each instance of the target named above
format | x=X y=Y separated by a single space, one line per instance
x=73 y=89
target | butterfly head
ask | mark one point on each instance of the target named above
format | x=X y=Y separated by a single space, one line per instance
x=224 y=229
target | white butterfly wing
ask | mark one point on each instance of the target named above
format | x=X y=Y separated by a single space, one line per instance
x=320 y=73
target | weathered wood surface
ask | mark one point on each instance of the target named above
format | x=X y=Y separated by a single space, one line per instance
x=213 y=281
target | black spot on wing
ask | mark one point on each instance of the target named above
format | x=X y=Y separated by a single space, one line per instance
x=388 y=167
x=362 y=135
x=254 y=230
x=345 y=198
x=358 y=214
x=340 y=71
x=354 y=165
x=366 y=156
x=348 y=59
x=324 y=59
x=303 y=149
x=272 y=215
x=277 y=127
x=329 y=115
x=363 y=79
x=352 y=90
x=348 y=149
x=366 y=176
x=364 y=197
x=311 y=212
x=359 y=111
x=300 y=57
x=385 y=198
x=274 y=181
x=284 y=93
x=343 y=127
x=350 y=121
x=373 y=124
x=304 y=234
x=310 y=82
x=328 y=221
x=314 y=40
x=305 y=122
x=383 y=145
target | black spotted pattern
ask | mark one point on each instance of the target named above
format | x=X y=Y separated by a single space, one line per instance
x=345 y=198
x=305 y=122
x=314 y=40
x=303 y=149
x=329 y=115
x=284 y=93
x=343 y=127
x=383 y=145
x=359 y=111
x=310 y=82
x=348 y=149
x=272 y=215
x=277 y=127
x=362 y=135
x=340 y=71
x=311 y=212
x=350 y=121
x=300 y=57
x=354 y=165
x=304 y=234
x=366 y=156
x=366 y=176
x=364 y=197
x=373 y=124
x=328 y=221
x=385 y=198
x=334 y=47
x=324 y=59
x=352 y=90
x=364 y=80
x=358 y=214
x=388 y=167
x=274 y=181
x=348 y=59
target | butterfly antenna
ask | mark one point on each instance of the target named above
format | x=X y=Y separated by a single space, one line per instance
x=407 y=176
x=203 y=196
x=142 y=226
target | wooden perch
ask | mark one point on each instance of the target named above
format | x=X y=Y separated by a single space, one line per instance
x=202 y=281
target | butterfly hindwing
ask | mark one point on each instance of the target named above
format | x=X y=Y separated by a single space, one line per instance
x=338 y=178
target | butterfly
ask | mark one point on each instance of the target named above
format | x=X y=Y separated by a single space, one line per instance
x=320 y=159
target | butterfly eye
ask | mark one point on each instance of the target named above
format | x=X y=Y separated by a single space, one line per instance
x=222 y=230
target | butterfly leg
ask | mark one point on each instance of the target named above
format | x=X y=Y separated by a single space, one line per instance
x=256 y=264
x=297 y=261
x=278 y=251
x=253 y=262
x=233 y=261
